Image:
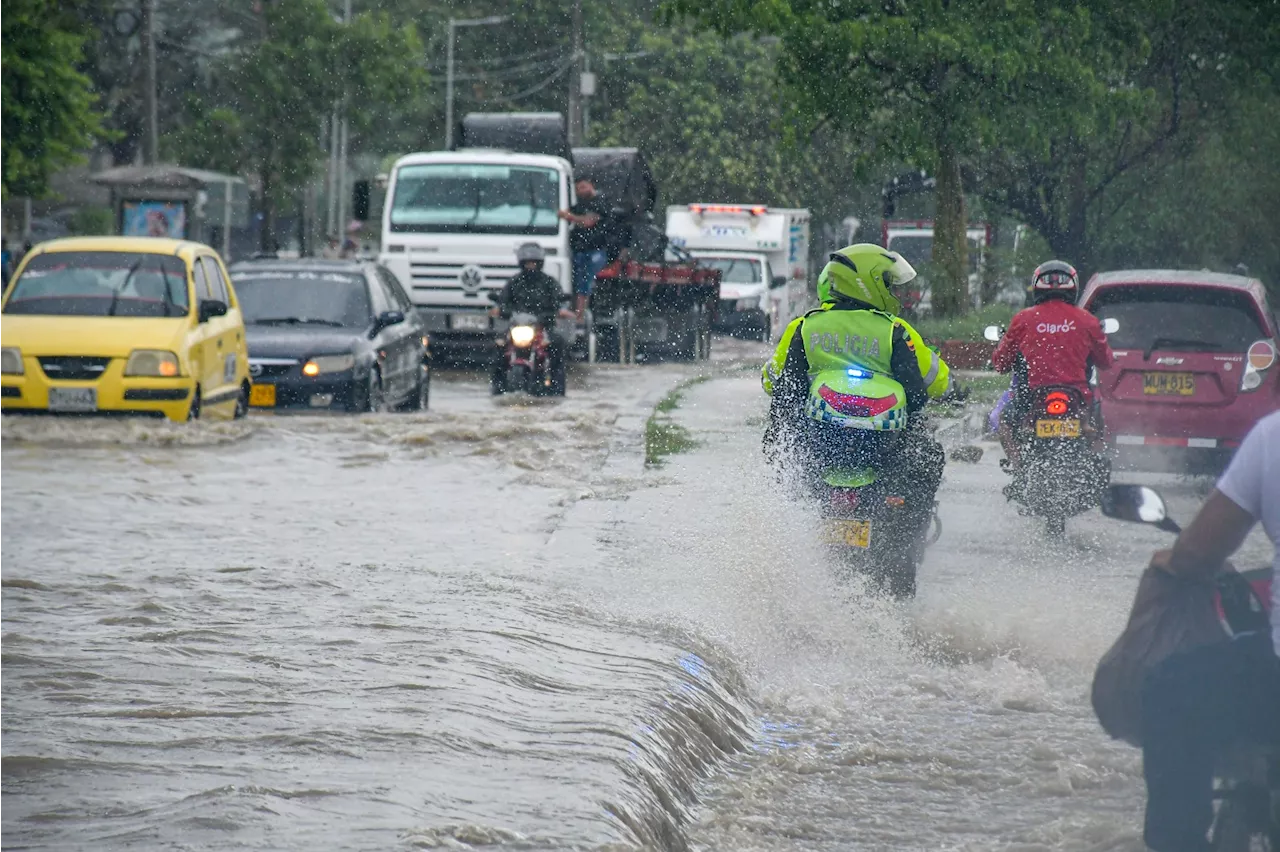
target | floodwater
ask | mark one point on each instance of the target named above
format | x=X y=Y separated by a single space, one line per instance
x=489 y=626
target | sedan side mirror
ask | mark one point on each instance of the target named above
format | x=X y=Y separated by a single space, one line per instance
x=779 y=281
x=210 y=308
x=1110 y=325
x=388 y=318
x=992 y=333
x=1137 y=503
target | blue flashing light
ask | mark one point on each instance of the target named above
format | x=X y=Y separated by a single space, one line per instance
x=858 y=373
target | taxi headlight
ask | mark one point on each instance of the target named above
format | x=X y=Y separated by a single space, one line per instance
x=522 y=335
x=11 y=359
x=328 y=364
x=156 y=363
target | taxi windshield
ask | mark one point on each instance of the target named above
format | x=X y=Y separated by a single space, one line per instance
x=101 y=284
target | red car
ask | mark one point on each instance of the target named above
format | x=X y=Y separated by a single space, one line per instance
x=1195 y=362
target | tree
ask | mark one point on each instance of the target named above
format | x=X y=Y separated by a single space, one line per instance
x=1078 y=165
x=925 y=83
x=275 y=91
x=49 y=115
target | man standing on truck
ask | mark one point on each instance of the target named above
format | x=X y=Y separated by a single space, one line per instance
x=587 y=240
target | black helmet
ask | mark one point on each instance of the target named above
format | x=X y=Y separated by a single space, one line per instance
x=1054 y=279
x=531 y=253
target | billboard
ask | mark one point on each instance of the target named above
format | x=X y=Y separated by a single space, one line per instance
x=154 y=219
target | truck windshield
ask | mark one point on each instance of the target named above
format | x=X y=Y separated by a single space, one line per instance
x=918 y=250
x=475 y=198
x=734 y=270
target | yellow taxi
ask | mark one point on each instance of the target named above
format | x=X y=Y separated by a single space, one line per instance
x=123 y=325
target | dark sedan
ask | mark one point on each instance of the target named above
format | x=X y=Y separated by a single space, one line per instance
x=331 y=335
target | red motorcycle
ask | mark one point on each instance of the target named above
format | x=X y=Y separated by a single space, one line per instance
x=529 y=362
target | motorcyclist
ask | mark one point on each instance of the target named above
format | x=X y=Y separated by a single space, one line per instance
x=772 y=368
x=1053 y=341
x=1198 y=703
x=532 y=291
x=859 y=328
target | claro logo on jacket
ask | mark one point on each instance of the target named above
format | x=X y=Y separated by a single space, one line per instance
x=1056 y=328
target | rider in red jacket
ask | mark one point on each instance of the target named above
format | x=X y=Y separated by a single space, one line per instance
x=1054 y=341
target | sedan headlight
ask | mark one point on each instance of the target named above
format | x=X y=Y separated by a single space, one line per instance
x=11 y=359
x=156 y=363
x=522 y=335
x=328 y=364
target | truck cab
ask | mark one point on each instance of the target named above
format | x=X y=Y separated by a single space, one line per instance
x=451 y=225
x=746 y=307
x=762 y=254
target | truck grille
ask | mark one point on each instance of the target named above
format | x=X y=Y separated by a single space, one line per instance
x=73 y=367
x=429 y=280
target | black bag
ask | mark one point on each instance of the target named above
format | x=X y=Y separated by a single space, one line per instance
x=1169 y=615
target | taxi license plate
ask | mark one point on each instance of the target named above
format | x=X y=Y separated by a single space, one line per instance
x=850 y=533
x=1169 y=384
x=469 y=322
x=262 y=396
x=1069 y=428
x=73 y=399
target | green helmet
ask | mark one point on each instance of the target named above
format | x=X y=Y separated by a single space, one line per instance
x=824 y=287
x=866 y=273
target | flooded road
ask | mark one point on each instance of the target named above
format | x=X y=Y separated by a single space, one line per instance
x=489 y=625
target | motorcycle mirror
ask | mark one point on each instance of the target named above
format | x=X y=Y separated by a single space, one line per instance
x=494 y=297
x=1137 y=503
x=1110 y=325
x=992 y=333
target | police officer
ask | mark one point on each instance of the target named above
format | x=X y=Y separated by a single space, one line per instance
x=857 y=326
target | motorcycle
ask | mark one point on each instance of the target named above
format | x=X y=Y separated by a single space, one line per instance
x=527 y=364
x=870 y=528
x=1059 y=473
x=1247 y=789
x=868 y=520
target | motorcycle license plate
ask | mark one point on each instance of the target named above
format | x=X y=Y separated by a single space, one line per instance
x=1069 y=428
x=1169 y=384
x=850 y=533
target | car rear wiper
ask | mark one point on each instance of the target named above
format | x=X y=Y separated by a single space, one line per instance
x=296 y=321
x=1179 y=343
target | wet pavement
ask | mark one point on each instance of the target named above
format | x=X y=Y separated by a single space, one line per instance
x=490 y=625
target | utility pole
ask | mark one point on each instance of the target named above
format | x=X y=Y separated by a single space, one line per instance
x=454 y=24
x=343 y=133
x=575 y=78
x=151 y=146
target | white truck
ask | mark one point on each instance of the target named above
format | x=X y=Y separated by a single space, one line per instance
x=913 y=239
x=762 y=254
x=453 y=219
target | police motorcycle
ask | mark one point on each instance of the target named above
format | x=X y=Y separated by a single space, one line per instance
x=527 y=359
x=1059 y=473
x=869 y=521
x=1247 y=786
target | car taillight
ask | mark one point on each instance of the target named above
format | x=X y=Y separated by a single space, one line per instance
x=1056 y=403
x=1261 y=356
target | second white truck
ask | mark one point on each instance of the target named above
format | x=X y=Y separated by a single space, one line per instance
x=763 y=257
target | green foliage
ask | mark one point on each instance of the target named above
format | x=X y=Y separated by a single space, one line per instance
x=968 y=327
x=928 y=83
x=49 y=115
x=91 y=222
